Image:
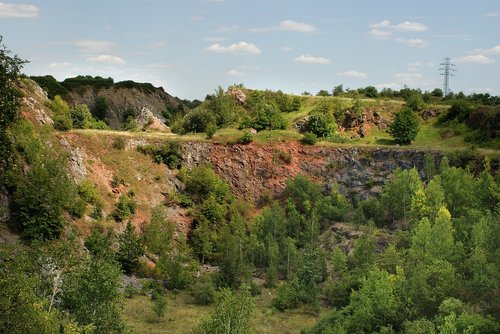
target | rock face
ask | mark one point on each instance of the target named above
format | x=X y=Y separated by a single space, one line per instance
x=120 y=99
x=238 y=94
x=148 y=121
x=33 y=103
x=253 y=170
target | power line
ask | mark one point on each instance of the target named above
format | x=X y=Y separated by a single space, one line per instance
x=447 y=69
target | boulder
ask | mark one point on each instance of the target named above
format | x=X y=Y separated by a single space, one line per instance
x=148 y=121
x=238 y=94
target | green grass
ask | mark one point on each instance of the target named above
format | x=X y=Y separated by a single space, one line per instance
x=183 y=315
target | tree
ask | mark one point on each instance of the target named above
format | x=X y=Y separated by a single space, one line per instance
x=322 y=125
x=159 y=303
x=100 y=107
x=415 y=101
x=323 y=92
x=231 y=314
x=92 y=295
x=62 y=114
x=398 y=192
x=405 y=126
x=10 y=68
x=41 y=195
x=130 y=248
x=337 y=90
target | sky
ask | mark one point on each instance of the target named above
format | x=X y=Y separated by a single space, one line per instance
x=190 y=47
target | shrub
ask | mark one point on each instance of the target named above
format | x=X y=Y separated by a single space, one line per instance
x=405 y=126
x=169 y=153
x=130 y=248
x=247 y=138
x=203 y=183
x=197 y=120
x=282 y=156
x=88 y=191
x=124 y=208
x=321 y=124
x=309 y=139
x=100 y=107
x=203 y=290
x=460 y=110
x=119 y=143
x=415 y=101
x=268 y=117
x=62 y=122
x=62 y=114
x=77 y=207
x=288 y=295
x=210 y=130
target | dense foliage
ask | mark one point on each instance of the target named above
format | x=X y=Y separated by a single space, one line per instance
x=405 y=126
x=10 y=67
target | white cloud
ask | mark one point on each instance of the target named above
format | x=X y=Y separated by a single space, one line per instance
x=195 y=18
x=235 y=73
x=494 y=50
x=381 y=24
x=94 y=46
x=384 y=30
x=241 y=48
x=58 y=66
x=411 y=26
x=312 y=60
x=380 y=34
x=474 y=59
x=353 y=74
x=287 y=49
x=106 y=59
x=18 y=10
x=413 y=42
x=296 y=26
x=492 y=14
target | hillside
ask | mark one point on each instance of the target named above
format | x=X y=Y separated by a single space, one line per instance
x=114 y=102
x=251 y=217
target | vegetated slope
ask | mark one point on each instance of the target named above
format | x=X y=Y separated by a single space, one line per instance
x=117 y=100
x=122 y=175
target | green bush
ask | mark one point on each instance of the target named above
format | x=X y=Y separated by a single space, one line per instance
x=210 y=130
x=62 y=114
x=405 y=126
x=88 y=191
x=62 y=122
x=169 y=153
x=268 y=117
x=124 y=208
x=203 y=183
x=119 y=143
x=77 y=207
x=247 y=138
x=309 y=138
x=459 y=110
x=322 y=125
x=203 y=290
x=288 y=295
x=197 y=120
x=100 y=107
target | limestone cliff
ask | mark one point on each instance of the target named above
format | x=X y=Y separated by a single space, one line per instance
x=254 y=170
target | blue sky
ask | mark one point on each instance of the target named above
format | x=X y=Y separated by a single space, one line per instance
x=190 y=47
